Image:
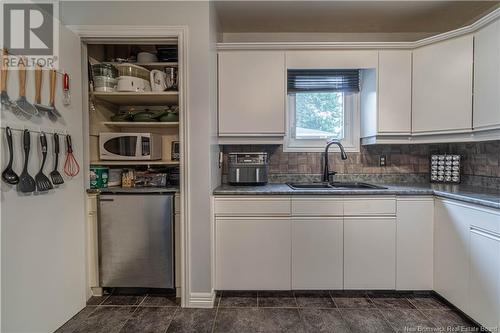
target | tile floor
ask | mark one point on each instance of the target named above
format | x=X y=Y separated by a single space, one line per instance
x=269 y=312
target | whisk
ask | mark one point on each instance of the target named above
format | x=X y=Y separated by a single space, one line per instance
x=71 y=166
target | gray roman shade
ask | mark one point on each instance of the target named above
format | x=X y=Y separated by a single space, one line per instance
x=322 y=80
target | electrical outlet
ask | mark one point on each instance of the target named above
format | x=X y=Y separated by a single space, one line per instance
x=382 y=161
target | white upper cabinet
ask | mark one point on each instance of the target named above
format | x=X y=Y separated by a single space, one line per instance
x=442 y=87
x=394 y=92
x=252 y=93
x=487 y=77
x=386 y=97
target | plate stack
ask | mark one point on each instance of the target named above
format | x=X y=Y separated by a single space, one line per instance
x=445 y=168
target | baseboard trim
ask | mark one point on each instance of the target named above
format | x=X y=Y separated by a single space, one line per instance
x=201 y=300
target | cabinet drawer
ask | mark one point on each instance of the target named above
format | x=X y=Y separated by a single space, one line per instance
x=369 y=206
x=252 y=206
x=314 y=206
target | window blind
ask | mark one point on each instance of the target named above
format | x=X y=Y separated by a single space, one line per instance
x=323 y=80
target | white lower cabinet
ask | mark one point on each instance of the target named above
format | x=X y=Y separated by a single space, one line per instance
x=485 y=277
x=414 y=245
x=317 y=253
x=451 y=259
x=323 y=242
x=369 y=253
x=253 y=253
x=467 y=259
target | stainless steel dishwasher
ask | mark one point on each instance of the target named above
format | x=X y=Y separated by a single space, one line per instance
x=136 y=244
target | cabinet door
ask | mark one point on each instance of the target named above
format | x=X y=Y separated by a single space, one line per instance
x=487 y=77
x=253 y=254
x=415 y=229
x=485 y=277
x=251 y=93
x=317 y=253
x=442 y=86
x=394 y=91
x=451 y=254
x=369 y=253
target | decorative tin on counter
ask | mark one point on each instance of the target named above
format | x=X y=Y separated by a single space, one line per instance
x=446 y=169
x=98 y=177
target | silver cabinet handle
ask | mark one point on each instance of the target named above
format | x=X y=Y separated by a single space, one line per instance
x=485 y=233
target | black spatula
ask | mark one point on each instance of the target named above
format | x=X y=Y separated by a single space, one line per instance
x=56 y=177
x=43 y=183
x=26 y=182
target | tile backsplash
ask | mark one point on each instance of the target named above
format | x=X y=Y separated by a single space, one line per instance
x=410 y=163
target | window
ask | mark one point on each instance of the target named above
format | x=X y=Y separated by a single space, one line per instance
x=322 y=105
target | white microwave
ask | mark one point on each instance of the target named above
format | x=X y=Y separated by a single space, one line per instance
x=130 y=146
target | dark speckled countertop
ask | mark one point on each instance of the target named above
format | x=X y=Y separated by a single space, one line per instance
x=134 y=190
x=476 y=195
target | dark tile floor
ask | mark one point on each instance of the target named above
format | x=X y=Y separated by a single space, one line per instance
x=269 y=312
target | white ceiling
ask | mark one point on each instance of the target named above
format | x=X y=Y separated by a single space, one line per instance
x=348 y=16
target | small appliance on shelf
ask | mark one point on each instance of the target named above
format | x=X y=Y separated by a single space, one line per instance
x=446 y=169
x=248 y=168
x=133 y=78
x=130 y=146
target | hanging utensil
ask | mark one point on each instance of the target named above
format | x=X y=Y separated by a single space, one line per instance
x=26 y=182
x=4 y=96
x=8 y=175
x=43 y=183
x=56 y=177
x=52 y=100
x=66 y=91
x=38 y=91
x=22 y=104
x=71 y=166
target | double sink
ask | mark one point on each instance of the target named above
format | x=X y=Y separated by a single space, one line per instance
x=335 y=186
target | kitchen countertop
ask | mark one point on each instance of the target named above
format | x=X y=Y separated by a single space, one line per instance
x=135 y=190
x=476 y=195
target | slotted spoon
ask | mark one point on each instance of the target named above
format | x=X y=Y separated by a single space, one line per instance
x=22 y=104
x=56 y=177
x=9 y=175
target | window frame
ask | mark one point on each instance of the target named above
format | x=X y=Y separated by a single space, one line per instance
x=351 y=141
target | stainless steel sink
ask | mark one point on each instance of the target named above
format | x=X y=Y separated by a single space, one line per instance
x=334 y=186
x=309 y=186
x=357 y=185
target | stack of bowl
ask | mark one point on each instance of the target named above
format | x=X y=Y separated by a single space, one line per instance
x=105 y=77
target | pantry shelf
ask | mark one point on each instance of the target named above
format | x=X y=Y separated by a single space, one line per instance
x=150 y=65
x=162 y=162
x=141 y=124
x=138 y=98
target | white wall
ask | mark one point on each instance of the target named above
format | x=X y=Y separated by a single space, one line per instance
x=202 y=150
x=43 y=248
